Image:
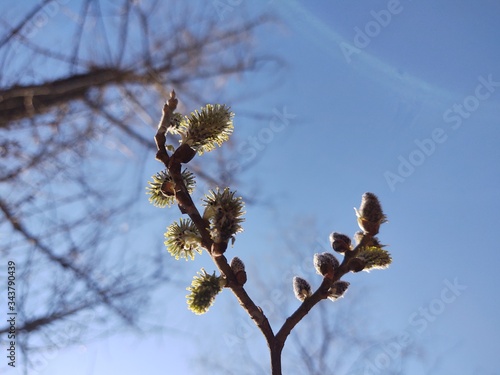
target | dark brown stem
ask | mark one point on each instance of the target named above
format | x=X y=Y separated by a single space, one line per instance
x=188 y=207
x=216 y=251
x=161 y=134
x=276 y=350
x=320 y=294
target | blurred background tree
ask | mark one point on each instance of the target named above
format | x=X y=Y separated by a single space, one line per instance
x=72 y=176
x=80 y=97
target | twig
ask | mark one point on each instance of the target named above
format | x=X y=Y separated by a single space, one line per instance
x=187 y=206
x=216 y=250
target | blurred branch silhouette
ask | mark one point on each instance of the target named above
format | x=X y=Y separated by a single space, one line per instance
x=78 y=99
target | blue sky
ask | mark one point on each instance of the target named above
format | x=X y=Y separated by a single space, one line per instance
x=411 y=113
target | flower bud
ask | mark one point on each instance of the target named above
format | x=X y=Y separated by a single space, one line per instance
x=374 y=257
x=325 y=264
x=224 y=212
x=168 y=189
x=301 y=288
x=337 y=290
x=182 y=239
x=238 y=267
x=241 y=277
x=370 y=214
x=340 y=242
x=203 y=290
x=176 y=120
x=205 y=129
x=162 y=188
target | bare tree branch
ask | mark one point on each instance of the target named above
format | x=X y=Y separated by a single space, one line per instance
x=74 y=131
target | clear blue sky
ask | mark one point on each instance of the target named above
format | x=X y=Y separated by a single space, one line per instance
x=401 y=98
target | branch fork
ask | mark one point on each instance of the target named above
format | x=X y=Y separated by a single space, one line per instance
x=220 y=222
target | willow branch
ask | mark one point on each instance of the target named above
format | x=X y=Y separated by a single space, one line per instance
x=370 y=217
x=187 y=206
x=320 y=294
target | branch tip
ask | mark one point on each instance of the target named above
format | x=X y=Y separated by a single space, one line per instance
x=172 y=102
